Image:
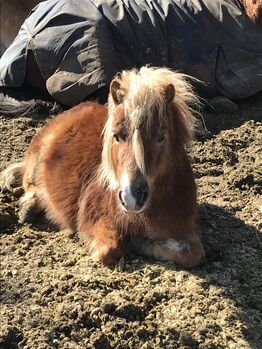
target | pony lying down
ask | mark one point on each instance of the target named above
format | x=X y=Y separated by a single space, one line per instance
x=119 y=175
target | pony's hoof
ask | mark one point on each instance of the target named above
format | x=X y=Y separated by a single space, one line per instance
x=109 y=255
x=28 y=212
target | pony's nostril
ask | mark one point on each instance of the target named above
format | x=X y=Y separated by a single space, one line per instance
x=120 y=198
x=141 y=198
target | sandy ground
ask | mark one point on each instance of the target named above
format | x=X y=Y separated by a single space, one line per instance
x=54 y=296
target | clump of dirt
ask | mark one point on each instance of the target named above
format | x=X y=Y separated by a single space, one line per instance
x=53 y=295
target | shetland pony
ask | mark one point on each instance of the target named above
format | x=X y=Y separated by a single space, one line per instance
x=132 y=190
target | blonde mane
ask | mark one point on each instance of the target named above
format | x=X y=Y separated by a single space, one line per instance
x=143 y=93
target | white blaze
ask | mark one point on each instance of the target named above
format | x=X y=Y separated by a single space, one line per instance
x=127 y=197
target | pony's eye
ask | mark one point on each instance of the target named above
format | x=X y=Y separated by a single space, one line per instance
x=160 y=138
x=116 y=136
x=119 y=136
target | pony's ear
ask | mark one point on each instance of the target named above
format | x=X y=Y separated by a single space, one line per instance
x=117 y=92
x=169 y=93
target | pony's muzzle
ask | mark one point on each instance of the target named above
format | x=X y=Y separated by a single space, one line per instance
x=134 y=198
x=140 y=192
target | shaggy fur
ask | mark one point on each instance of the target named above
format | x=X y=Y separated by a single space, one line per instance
x=79 y=165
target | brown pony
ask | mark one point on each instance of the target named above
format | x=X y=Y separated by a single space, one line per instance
x=132 y=190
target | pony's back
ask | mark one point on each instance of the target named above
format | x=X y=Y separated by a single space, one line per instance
x=63 y=157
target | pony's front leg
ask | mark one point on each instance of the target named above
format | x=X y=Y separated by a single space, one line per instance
x=29 y=206
x=187 y=253
x=103 y=241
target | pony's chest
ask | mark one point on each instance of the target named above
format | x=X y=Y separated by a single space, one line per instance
x=156 y=229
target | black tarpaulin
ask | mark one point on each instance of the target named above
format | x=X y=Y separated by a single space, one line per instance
x=79 y=45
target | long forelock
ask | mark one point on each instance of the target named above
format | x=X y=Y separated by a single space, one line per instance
x=138 y=149
x=145 y=96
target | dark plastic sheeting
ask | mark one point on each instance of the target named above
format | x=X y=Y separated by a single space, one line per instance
x=79 y=45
